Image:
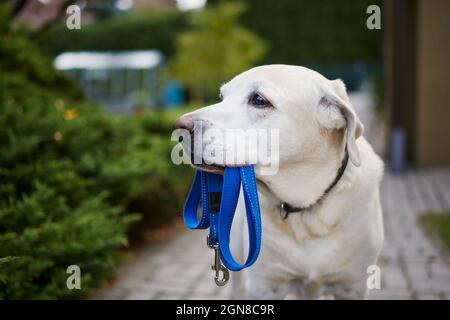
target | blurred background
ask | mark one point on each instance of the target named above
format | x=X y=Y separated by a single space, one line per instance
x=89 y=90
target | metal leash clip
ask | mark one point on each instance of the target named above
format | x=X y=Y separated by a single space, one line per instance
x=222 y=275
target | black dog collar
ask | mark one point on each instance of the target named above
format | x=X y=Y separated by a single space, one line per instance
x=286 y=208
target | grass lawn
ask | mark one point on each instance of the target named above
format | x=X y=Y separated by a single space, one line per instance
x=438 y=224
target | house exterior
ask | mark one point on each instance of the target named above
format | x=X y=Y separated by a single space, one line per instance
x=417 y=64
x=120 y=81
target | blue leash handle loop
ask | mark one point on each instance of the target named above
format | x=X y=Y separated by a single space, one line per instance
x=207 y=188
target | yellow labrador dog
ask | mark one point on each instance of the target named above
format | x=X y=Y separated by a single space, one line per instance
x=321 y=214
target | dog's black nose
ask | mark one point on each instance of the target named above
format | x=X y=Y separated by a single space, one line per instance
x=184 y=122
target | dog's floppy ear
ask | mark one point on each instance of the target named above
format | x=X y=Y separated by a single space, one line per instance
x=337 y=97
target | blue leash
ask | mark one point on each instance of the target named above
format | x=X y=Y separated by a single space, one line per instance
x=219 y=196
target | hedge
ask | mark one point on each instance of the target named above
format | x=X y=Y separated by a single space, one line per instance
x=129 y=31
x=306 y=32
x=301 y=32
x=73 y=178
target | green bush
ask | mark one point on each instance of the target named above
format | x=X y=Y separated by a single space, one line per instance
x=70 y=176
x=148 y=30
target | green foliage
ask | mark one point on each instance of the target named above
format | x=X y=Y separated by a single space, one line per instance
x=133 y=31
x=307 y=32
x=215 y=49
x=70 y=175
x=438 y=223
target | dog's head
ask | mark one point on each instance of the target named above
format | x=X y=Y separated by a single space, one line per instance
x=309 y=113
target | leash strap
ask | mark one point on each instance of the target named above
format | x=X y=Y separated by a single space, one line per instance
x=208 y=188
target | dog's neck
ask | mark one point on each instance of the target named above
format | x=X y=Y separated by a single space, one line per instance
x=303 y=184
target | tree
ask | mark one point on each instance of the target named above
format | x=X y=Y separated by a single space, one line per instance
x=214 y=50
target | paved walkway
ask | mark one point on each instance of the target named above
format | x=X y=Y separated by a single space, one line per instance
x=412 y=266
x=177 y=268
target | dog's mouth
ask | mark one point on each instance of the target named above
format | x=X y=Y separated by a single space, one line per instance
x=212 y=168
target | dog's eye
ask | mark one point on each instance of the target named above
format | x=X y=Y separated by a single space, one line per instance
x=259 y=101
